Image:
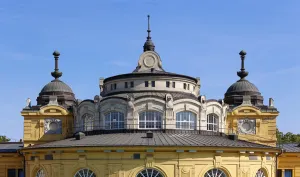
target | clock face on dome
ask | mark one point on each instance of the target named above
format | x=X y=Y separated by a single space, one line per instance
x=247 y=126
x=52 y=126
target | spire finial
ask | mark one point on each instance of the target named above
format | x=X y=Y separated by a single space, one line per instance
x=149 y=46
x=243 y=73
x=149 y=31
x=56 y=74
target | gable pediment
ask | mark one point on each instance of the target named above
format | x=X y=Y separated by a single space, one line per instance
x=53 y=110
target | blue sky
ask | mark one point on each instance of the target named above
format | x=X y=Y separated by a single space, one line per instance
x=104 y=38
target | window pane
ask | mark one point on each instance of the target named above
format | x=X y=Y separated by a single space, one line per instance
x=114 y=120
x=173 y=84
x=11 y=173
x=146 y=83
x=153 y=83
x=150 y=120
x=288 y=173
x=20 y=173
x=185 y=120
x=279 y=173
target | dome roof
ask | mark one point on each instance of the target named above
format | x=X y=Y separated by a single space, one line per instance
x=235 y=94
x=56 y=89
x=56 y=85
x=242 y=86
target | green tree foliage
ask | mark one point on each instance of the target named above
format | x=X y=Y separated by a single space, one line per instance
x=288 y=137
x=4 y=138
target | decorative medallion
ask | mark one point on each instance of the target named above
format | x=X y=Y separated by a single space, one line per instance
x=149 y=61
x=52 y=126
x=247 y=126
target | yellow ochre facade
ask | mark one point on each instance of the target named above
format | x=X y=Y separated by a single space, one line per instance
x=149 y=123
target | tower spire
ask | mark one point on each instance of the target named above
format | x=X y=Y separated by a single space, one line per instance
x=149 y=45
x=56 y=74
x=243 y=73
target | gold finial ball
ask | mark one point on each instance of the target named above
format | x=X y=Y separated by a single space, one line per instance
x=56 y=53
x=242 y=52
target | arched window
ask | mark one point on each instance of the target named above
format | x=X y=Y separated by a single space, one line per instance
x=150 y=120
x=212 y=122
x=40 y=173
x=88 y=121
x=149 y=172
x=85 y=173
x=260 y=173
x=186 y=120
x=215 y=173
x=114 y=120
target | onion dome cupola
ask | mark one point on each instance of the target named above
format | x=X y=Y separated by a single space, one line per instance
x=61 y=92
x=234 y=95
x=149 y=45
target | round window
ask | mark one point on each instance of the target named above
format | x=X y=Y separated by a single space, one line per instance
x=85 y=173
x=149 y=172
x=215 y=173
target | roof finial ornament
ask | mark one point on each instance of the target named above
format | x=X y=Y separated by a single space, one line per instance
x=149 y=46
x=243 y=73
x=56 y=74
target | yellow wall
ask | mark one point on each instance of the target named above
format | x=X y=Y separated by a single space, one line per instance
x=10 y=161
x=34 y=124
x=66 y=162
x=290 y=161
x=265 y=124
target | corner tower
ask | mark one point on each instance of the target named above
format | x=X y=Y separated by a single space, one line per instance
x=52 y=118
x=248 y=116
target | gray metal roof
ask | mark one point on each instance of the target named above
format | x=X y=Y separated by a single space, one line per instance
x=9 y=147
x=148 y=73
x=159 y=140
x=291 y=147
x=241 y=86
x=56 y=86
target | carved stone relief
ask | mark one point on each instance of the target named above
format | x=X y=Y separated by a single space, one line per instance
x=52 y=126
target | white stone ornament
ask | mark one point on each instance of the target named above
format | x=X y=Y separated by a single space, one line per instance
x=52 y=126
x=148 y=60
x=130 y=101
x=169 y=101
x=28 y=103
x=247 y=126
